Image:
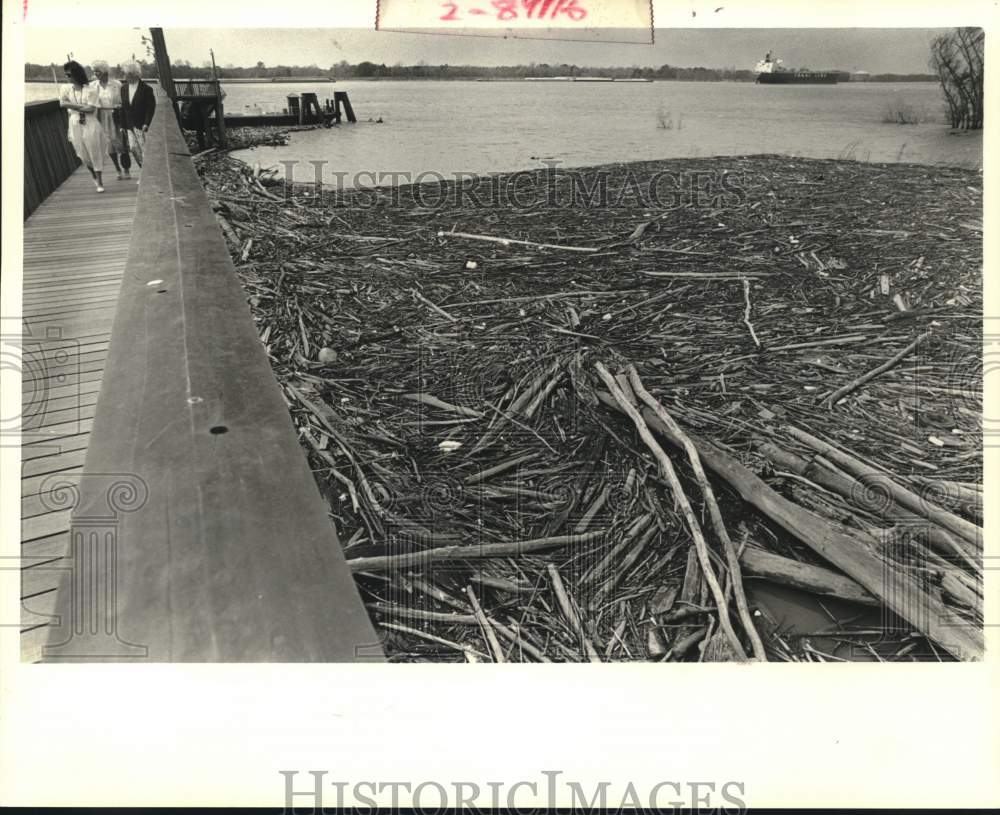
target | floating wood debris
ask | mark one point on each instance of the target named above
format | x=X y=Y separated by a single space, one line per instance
x=510 y=384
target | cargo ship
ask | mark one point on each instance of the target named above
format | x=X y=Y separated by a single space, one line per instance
x=771 y=71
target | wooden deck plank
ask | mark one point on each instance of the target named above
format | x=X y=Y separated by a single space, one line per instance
x=49 y=447
x=73 y=267
x=54 y=463
x=36 y=491
x=61 y=379
x=43 y=525
x=81 y=355
x=85 y=394
x=42 y=550
x=72 y=413
x=56 y=313
x=107 y=293
x=55 y=395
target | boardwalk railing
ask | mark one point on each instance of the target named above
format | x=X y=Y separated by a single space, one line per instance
x=199 y=533
x=48 y=156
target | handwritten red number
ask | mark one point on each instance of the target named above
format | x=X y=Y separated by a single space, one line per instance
x=573 y=11
x=451 y=15
x=531 y=6
x=505 y=9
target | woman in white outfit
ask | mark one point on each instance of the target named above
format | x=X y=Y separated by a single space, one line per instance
x=85 y=132
x=109 y=102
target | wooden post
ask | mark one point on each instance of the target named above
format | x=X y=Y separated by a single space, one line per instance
x=220 y=116
x=341 y=97
x=203 y=126
x=163 y=67
x=163 y=62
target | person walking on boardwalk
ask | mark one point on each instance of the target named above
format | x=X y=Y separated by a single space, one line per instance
x=85 y=132
x=138 y=107
x=109 y=103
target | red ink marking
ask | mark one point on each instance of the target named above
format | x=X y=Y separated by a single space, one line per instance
x=508 y=10
x=505 y=9
x=572 y=10
x=531 y=6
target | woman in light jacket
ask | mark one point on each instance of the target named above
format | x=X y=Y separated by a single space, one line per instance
x=109 y=100
x=85 y=133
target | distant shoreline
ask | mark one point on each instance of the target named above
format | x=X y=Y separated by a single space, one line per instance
x=320 y=80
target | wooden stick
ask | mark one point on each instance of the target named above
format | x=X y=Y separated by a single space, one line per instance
x=521 y=643
x=837 y=481
x=877 y=479
x=509 y=241
x=449 y=618
x=623 y=565
x=432 y=306
x=603 y=565
x=543 y=394
x=228 y=229
x=593 y=509
x=570 y=613
x=516 y=407
x=855 y=558
x=813 y=579
x=840 y=393
x=714 y=513
x=484 y=623
x=559 y=295
x=499 y=468
x=832 y=341
x=746 y=313
x=707 y=275
x=969 y=498
x=431 y=637
x=433 y=401
x=468 y=552
x=680 y=498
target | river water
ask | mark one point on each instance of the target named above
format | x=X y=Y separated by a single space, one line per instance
x=483 y=127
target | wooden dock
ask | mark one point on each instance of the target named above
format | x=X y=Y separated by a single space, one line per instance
x=168 y=510
x=75 y=247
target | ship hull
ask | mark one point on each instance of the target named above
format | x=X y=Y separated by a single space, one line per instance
x=798 y=78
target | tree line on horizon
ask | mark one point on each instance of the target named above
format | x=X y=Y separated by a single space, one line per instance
x=183 y=69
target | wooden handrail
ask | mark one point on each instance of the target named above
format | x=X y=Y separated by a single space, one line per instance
x=48 y=156
x=199 y=533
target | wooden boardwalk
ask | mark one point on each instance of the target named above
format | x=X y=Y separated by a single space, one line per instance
x=75 y=248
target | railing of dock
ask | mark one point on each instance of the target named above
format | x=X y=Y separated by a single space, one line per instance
x=199 y=533
x=48 y=156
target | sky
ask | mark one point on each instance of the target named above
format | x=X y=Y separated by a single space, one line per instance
x=872 y=50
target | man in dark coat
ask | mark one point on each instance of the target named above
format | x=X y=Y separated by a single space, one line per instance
x=138 y=107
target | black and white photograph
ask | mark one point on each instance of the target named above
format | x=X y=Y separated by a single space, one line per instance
x=502 y=331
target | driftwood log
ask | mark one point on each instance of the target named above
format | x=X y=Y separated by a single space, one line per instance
x=835 y=544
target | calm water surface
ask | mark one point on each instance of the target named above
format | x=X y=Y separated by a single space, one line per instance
x=483 y=127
